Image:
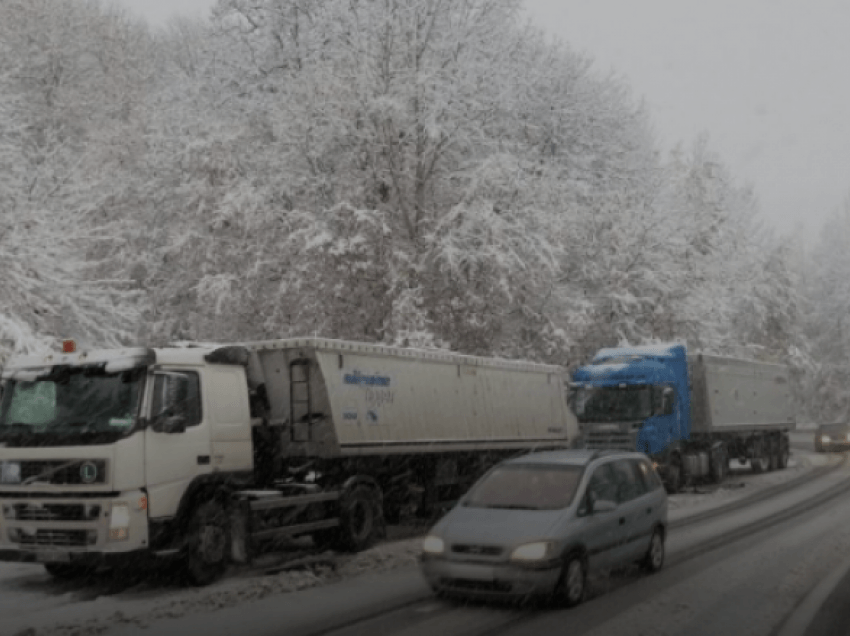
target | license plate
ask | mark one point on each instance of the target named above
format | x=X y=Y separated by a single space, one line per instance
x=52 y=557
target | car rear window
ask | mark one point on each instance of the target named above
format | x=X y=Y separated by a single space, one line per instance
x=526 y=487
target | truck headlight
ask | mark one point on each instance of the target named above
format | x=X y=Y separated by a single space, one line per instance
x=10 y=472
x=433 y=545
x=119 y=522
x=533 y=552
x=825 y=438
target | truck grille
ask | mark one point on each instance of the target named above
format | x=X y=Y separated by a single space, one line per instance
x=610 y=441
x=53 y=538
x=51 y=512
x=64 y=471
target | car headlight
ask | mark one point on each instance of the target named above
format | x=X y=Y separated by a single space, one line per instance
x=825 y=438
x=10 y=472
x=119 y=522
x=533 y=552
x=433 y=545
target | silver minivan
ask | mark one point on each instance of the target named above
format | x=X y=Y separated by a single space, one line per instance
x=538 y=524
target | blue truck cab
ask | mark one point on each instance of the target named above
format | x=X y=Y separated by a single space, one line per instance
x=633 y=398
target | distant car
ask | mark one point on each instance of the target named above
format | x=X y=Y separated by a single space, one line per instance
x=832 y=437
x=536 y=525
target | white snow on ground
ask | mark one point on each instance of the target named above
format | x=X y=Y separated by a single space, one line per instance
x=31 y=604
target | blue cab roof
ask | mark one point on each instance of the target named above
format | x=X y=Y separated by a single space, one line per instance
x=631 y=365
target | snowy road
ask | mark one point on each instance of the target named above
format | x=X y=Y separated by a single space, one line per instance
x=745 y=582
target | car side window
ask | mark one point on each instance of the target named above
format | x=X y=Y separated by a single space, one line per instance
x=629 y=484
x=603 y=484
x=649 y=476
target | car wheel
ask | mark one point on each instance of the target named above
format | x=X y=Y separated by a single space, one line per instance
x=571 y=587
x=207 y=543
x=654 y=559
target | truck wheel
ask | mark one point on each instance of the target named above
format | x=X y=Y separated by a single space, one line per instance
x=719 y=466
x=673 y=482
x=760 y=464
x=360 y=519
x=207 y=543
x=783 y=456
x=774 y=457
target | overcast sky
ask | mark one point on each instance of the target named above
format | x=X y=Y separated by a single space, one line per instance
x=765 y=79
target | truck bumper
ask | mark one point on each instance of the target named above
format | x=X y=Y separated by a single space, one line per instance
x=68 y=529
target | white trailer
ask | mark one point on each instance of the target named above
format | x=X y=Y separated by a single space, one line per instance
x=204 y=452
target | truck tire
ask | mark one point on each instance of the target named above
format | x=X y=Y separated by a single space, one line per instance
x=760 y=464
x=719 y=466
x=784 y=453
x=773 y=458
x=360 y=519
x=207 y=543
x=674 y=477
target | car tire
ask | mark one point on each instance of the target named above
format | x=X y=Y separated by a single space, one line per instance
x=572 y=586
x=654 y=558
x=207 y=544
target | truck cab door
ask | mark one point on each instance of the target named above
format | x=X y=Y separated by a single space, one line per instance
x=177 y=440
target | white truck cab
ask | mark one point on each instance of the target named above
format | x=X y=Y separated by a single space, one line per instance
x=98 y=449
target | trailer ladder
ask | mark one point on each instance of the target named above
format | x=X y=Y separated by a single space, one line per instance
x=300 y=399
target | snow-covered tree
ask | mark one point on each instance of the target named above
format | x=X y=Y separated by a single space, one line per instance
x=68 y=84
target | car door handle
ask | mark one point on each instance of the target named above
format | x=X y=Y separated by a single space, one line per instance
x=622 y=521
x=649 y=511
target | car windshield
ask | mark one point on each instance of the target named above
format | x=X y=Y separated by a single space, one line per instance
x=613 y=404
x=71 y=403
x=526 y=487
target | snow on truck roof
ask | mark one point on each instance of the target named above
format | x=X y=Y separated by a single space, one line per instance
x=665 y=350
x=194 y=353
x=434 y=355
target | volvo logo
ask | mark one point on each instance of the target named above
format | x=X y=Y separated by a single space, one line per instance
x=88 y=472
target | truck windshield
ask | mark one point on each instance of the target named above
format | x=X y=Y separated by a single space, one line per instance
x=70 y=406
x=613 y=404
